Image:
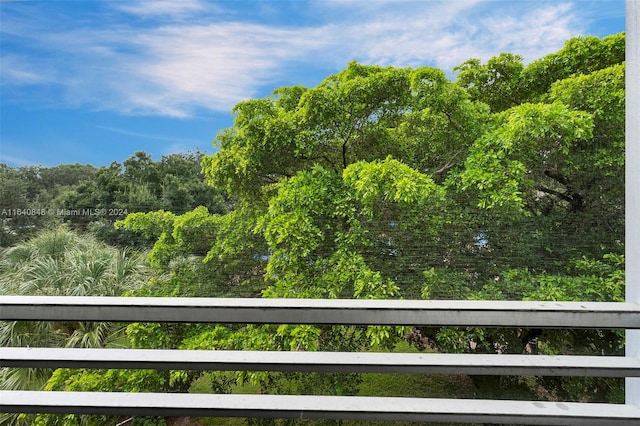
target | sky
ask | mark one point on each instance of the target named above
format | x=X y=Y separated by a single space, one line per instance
x=94 y=81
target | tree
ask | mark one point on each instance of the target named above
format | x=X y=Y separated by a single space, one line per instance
x=571 y=192
x=327 y=142
x=332 y=208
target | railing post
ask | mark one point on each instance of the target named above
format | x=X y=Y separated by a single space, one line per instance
x=632 y=176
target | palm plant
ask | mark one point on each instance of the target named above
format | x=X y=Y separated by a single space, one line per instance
x=60 y=262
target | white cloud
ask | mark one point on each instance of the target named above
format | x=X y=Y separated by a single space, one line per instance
x=170 y=70
x=173 y=8
x=173 y=66
x=539 y=32
x=447 y=33
x=210 y=66
x=18 y=70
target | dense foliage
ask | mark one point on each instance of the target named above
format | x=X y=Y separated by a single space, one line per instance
x=397 y=182
x=382 y=182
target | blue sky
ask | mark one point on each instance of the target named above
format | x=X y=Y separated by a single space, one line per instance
x=92 y=82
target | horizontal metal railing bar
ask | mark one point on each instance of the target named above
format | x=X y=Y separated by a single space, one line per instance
x=356 y=362
x=313 y=407
x=323 y=311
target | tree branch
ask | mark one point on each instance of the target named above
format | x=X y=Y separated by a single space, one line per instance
x=557 y=176
x=572 y=195
x=558 y=194
x=449 y=164
x=574 y=199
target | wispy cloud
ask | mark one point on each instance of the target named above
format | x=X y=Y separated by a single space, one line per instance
x=171 y=8
x=148 y=135
x=171 y=69
x=172 y=66
x=539 y=32
x=444 y=34
x=211 y=66
x=18 y=71
x=17 y=160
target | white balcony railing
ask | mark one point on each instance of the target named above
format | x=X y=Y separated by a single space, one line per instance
x=305 y=311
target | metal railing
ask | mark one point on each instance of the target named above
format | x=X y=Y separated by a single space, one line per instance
x=587 y=315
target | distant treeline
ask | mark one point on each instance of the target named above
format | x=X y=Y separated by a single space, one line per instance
x=92 y=198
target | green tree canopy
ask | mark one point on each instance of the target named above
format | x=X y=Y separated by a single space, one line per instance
x=504 y=81
x=385 y=182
